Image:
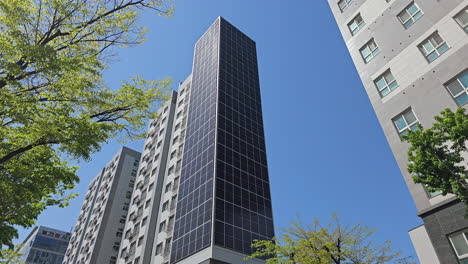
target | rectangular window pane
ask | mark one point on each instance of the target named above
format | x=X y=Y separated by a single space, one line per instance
x=455 y=87
x=464 y=79
x=459 y=242
x=386 y=83
x=462 y=19
x=409 y=116
x=462 y=99
x=400 y=123
x=410 y=15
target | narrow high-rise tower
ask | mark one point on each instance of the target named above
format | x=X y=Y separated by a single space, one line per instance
x=203 y=174
x=412 y=57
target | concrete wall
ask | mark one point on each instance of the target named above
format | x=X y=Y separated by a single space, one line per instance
x=423 y=246
x=421 y=86
x=442 y=222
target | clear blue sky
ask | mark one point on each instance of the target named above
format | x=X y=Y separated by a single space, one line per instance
x=326 y=150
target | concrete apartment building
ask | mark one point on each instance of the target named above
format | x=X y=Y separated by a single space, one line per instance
x=44 y=245
x=99 y=229
x=202 y=192
x=152 y=209
x=412 y=57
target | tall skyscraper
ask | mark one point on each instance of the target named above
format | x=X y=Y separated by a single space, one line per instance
x=44 y=245
x=412 y=57
x=203 y=174
x=99 y=229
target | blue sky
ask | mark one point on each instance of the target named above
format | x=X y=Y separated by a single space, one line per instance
x=326 y=150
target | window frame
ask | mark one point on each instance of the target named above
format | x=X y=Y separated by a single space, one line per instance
x=411 y=17
x=388 y=85
x=462 y=232
x=347 y=4
x=358 y=27
x=456 y=78
x=372 y=53
x=432 y=40
x=465 y=26
x=408 y=125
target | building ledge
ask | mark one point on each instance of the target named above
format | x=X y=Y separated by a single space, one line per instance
x=439 y=206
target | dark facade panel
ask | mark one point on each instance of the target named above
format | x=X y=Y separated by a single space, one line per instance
x=192 y=231
x=225 y=118
x=243 y=203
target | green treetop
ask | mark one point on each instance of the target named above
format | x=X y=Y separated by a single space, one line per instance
x=436 y=154
x=53 y=101
x=335 y=243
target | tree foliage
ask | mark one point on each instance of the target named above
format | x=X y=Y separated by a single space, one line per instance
x=436 y=154
x=332 y=244
x=11 y=256
x=53 y=101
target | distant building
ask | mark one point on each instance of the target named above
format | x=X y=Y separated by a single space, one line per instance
x=45 y=245
x=202 y=193
x=98 y=231
x=412 y=57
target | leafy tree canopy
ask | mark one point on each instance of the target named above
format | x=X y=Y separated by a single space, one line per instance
x=11 y=256
x=436 y=155
x=53 y=101
x=332 y=244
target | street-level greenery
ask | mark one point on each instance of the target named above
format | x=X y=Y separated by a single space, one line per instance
x=54 y=104
x=335 y=243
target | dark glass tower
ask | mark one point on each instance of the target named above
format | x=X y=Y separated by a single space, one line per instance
x=224 y=197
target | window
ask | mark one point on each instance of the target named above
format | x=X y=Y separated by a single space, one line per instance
x=150 y=187
x=159 y=144
x=168 y=187
x=369 y=51
x=143 y=222
x=405 y=122
x=147 y=204
x=173 y=154
x=137 y=260
x=116 y=246
x=122 y=252
x=386 y=83
x=433 y=47
x=161 y=132
x=164 y=206
x=410 y=15
x=462 y=19
x=432 y=194
x=460 y=244
x=170 y=170
x=140 y=240
x=162 y=226
x=159 y=249
x=458 y=88
x=356 y=24
x=343 y=4
x=175 y=139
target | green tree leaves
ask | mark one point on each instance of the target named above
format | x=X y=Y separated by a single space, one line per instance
x=53 y=100
x=332 y=244
x=436 y=154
